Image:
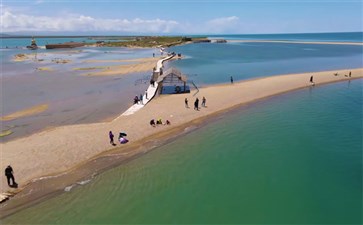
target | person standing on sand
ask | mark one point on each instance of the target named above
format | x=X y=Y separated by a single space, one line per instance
x=196 y=104
x=141 y=99
x=10 y=176
x=204 y=101
x=186 y=103
x=146 y=94
x=110 y=134
x=350 y=73
x=231 y=80
x=311 y=80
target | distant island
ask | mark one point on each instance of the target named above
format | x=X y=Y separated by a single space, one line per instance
x=149 y=41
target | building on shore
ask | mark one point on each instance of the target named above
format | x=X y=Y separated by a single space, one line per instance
x=172 y=81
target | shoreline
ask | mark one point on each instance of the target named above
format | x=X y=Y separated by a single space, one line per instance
x=140 y=143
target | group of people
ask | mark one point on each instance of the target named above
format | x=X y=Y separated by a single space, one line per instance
x=159 y=122
x=121 y=138
x=196 y=103
x=139 y=99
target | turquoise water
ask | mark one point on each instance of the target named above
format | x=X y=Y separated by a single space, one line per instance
x=341 y=37
x=211 y=63
x=291 y=159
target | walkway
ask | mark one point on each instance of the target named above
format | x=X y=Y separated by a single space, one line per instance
x=149 y=93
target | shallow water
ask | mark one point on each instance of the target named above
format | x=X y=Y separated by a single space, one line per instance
x=294 y=158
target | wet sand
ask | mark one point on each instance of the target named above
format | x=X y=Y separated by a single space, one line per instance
x=297 y=42
x=142 y=66
x=68 y=148
x=25 y=112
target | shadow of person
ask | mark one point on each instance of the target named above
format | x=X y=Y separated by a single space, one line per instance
x=113 y=144
x=14 y=185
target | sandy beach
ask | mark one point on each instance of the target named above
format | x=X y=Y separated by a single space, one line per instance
x=64 y=148
x=297 y=42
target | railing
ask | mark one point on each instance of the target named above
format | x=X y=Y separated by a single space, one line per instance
x=192 y=82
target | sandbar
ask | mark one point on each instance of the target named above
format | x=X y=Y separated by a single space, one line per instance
x=64 y=148
x=25 y=112
x=141 y=66
x=297 y=42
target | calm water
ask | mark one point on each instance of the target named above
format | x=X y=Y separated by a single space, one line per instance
x=341 y=37
x=295 y=158
x=210 y=63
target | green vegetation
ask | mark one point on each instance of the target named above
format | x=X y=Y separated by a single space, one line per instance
x=152 y=41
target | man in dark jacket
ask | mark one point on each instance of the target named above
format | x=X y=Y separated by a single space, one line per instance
x=9 y=175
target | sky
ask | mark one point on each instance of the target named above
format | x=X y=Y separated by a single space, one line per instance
x=163 y=17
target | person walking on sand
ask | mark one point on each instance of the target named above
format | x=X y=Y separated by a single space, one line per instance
x=204 y=101
x=350 y=73
x=186 y=103
x=110 y=134
x=231 y=80
x=311 y=80
x=146 y=94
x=9 y=173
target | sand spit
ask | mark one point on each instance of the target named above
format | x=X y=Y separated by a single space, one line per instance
x=296 y=42
x=64 y=148
x=25 y=112
x=153 y=59
x=142 y=66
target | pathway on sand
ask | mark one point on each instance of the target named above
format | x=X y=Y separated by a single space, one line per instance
x=149 y=93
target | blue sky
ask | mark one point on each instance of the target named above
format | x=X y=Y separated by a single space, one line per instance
x=180 y=17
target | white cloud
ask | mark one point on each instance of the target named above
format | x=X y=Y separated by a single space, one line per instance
x=11 y=22
x=223 y=24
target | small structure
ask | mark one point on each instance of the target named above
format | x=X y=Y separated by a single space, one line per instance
x=173 y=82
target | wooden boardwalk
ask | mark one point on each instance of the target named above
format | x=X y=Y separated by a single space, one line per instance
x=151 y=91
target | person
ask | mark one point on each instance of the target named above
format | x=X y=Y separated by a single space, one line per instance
x=159 y=122
x=136 y=100
x=123 y=140
x=146 y=95
x=141 y=99
x=186 y=103
x=311 y=80
x=153 y=54
x=110 y=134
x=152 y=122
x=350 y=73
x=167 y=122
x=231 y=80
x=203 y=101
x=9 y=173
x=196 y=104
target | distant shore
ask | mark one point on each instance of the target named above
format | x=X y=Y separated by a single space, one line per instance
x=66 y=149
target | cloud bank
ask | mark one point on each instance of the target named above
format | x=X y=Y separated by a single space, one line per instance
x=22 y=22
x=11 y=22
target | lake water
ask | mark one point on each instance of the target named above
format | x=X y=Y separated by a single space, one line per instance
x=290 y=159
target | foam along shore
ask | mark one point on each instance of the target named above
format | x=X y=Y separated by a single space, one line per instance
x=64 y=148
x=297 y=42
